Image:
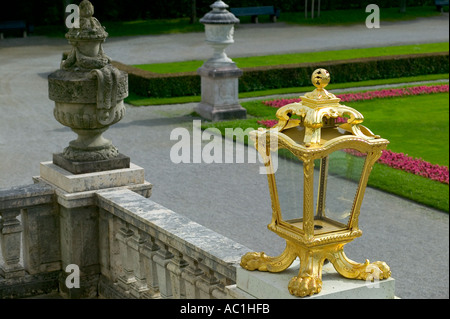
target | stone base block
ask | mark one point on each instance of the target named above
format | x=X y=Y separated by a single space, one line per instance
x=220 y=86
x=118 y=162
x=266 y=285
x=11 y=272
x=212 y=113
x=73 y=183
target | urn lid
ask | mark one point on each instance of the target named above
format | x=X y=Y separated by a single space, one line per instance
x=90 y=28
x=219 y=15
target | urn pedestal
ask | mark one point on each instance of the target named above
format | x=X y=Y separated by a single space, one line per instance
x=220 y=93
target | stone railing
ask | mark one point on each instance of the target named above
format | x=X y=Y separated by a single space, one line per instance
x=144 y=249
x=149 y=251
x=29 y=241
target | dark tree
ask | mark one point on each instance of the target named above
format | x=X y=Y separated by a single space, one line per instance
x=193 y=11
x=402 y=6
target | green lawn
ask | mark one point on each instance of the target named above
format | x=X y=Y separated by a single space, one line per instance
x=415 y=125
x=309 y=57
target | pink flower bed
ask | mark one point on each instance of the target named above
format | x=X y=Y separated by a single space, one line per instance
x=417 y=90
x=416 y=166
x=268 y=123
x=401 y=161
x=381 y=94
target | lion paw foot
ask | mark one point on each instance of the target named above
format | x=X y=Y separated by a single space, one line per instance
x=376 y=271
x=305 y=286
x=254 y=261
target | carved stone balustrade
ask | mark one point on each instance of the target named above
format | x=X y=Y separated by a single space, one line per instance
x=144 y=249
x=163 y=254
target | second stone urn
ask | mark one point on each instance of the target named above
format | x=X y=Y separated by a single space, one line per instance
x=88 y=92
x=219 y=74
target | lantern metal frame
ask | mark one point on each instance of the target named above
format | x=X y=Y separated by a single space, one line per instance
x=314 y=135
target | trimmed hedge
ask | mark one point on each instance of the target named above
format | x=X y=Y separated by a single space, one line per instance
x=150 y=84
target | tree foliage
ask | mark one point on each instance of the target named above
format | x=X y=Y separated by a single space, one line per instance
x=52 y=12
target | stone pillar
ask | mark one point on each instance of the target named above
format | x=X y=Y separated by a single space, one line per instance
x=139 y=288
x=148 y=250
x=162 y=258
x=207 y=284
x=191 y=275
x=10 y=239
x=80 y=246
x=88 y=92
x=219 y=75
x=41 y=239
x=176 y=267
x=127 y=278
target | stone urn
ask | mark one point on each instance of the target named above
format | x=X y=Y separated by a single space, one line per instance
x=219 y=74
x=88 y=92
x=219 y=30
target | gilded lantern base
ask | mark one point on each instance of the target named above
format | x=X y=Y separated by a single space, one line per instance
x=309 y=279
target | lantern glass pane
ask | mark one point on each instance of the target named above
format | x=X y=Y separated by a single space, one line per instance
x=342 y=180
x=289 y=179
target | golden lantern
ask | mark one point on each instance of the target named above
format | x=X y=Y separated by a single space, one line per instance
x=327 y=155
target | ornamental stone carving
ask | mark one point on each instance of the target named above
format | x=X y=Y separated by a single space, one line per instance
x=88 y=92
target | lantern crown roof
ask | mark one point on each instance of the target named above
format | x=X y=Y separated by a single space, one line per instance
x=319 y=110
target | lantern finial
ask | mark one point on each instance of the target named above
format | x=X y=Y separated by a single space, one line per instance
x=320 y=78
